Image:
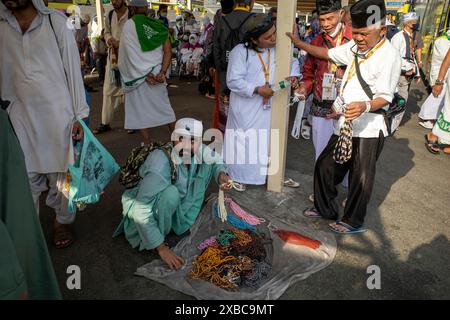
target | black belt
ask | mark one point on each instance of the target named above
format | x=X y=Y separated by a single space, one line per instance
x=323 y=104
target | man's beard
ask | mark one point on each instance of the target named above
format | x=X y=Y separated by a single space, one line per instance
x=117 y=7
x=18 y=4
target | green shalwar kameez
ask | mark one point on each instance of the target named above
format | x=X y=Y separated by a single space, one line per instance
x=25 y=265
x=156 y=206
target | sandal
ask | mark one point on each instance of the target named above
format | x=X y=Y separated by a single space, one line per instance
x=62 y=235
x=312 y=213
x=239 y=186
x=102 y=129
x=291 y=183
x=432 y=146
x=344 y=228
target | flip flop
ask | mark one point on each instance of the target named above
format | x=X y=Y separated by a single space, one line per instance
x=239 y=186
x=432 y=146
x=312 y=213
x=343 y=228
x=62 y=233
x=291 y=183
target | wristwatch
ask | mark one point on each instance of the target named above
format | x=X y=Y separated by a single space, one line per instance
x=440 y=82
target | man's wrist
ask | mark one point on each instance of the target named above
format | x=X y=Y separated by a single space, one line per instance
x=368 y=106
x=439 y=82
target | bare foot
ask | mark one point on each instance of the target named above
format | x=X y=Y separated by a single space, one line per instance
x=168 y=256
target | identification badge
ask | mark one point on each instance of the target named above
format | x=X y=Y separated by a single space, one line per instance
x=327 y=80
x=339 y=105
x=329 y=93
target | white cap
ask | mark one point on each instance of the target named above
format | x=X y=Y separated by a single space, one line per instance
x=410 y=16
x=189 y=127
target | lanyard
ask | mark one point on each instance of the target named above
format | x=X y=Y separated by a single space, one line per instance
x=339 y=41
x=266 y=70
x=352 y=70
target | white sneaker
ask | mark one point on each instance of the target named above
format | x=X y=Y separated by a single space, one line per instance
x=427 y=124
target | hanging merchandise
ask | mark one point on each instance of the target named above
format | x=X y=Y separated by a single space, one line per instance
x=91 y=173
x=234 y=220
x=241 y=213
x=301 y=100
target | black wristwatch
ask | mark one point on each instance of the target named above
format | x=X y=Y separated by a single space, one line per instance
x=440 y=82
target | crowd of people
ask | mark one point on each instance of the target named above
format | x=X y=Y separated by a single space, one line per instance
x=351 y=69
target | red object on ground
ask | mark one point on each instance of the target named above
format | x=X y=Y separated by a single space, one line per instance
x=296 y=238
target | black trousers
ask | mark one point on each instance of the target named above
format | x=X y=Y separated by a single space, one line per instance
x=328 y=174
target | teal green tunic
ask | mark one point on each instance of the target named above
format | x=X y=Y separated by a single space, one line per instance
x=25 y=265
x=155 y=207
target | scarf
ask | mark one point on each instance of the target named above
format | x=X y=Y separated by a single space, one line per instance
x=151 y=32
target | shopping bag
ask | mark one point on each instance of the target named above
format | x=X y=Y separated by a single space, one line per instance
x=91 y=173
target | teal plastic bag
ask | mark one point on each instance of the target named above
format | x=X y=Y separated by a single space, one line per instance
x=93 y=170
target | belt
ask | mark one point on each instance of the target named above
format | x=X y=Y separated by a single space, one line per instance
x=323 y=104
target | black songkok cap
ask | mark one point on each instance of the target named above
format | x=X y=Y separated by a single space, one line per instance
x=327 y=6
x=366 y=13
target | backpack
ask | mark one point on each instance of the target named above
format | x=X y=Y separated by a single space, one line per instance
x=232 y=40
x=129 y=173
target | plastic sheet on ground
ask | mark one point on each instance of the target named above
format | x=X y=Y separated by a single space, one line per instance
x=290 y=262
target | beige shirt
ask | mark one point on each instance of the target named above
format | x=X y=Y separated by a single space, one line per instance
x=113 y=30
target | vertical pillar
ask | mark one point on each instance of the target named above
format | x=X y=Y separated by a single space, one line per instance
x=280 y=111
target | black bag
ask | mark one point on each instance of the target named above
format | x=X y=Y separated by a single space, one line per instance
x=394 y=115
x=232 y=40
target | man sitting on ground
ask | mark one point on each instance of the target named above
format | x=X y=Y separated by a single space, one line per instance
x=171 y=192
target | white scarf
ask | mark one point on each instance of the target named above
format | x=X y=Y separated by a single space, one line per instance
x=38 y=4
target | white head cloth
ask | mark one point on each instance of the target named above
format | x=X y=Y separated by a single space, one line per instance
x=410 y=16
x=38 y=4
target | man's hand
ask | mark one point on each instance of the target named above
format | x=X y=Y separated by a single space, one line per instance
x=168 y=256
x=151 y=79
x=294 y=82
x=295 y=40
x=113 y=43
x=225 y=181
x=160 y=77
x=301 y=91
x=437 y=90
x=265 y=91
x=77 y=132
x=354 y=110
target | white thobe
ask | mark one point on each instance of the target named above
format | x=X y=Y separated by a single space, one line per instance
x=246 y=145
x=146 y=106
x=433 y=105
x=382 y=82
x=399 y=43
x=42 y=78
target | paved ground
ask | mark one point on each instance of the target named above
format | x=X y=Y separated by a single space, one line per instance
x=409 y=221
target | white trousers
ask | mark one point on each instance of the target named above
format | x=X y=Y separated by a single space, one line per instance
x=57 y=198
x=110 y=105
x=322 y=130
